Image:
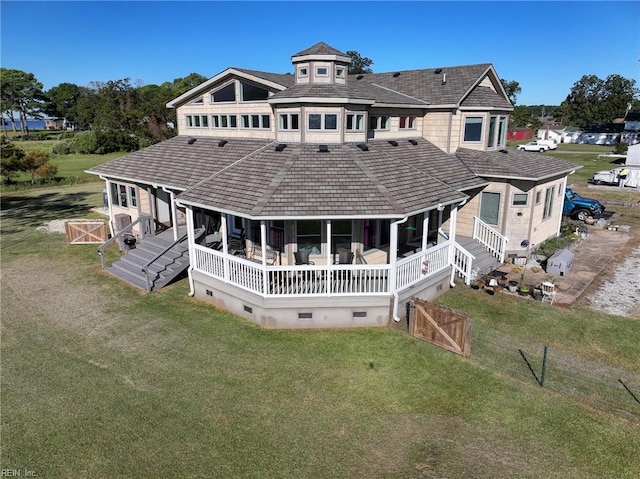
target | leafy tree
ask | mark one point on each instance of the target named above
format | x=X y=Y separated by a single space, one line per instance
x=359 y=64
x=34 y=160
x=47 y=172
x=183 y=85
x=63 y=101
x=525 y=116
x=21 y=92
x=593 y=101
x=10 y=158
x=156 y=115
x=512 y=88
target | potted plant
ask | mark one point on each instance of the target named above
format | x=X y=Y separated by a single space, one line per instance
x=524 y=290
x=513 y=286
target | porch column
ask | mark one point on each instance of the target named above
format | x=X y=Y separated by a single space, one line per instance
x=453 y=218
x=190 y=243
x=263 y=243
x=110 y=208
x=225 y=246
x=425 y=231
x=393 y=252
x=329 y=259
x=152 y=206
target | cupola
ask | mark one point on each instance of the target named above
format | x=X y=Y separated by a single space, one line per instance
x=321 y=64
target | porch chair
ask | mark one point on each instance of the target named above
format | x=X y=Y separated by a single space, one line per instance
x=302 y=257
x=345 y=257
x=548 y=292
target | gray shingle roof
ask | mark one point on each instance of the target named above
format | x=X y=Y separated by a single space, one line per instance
x=301 y=181
x=284 y=79
x=428 y=85
x=514 y=164
x=250 y=178
x=175 y=163
x=320 y=48
x=360 y=91
x=483 y=96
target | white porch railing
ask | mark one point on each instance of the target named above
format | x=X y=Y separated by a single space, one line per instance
x=415 y=268
x=314 y=280
x=462 y=263
x=489 y=238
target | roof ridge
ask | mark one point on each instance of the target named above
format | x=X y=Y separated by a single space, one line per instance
x=276 y=181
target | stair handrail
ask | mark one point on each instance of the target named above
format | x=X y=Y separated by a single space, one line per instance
x=145 y=268
x=121 y=234
x=498 y=241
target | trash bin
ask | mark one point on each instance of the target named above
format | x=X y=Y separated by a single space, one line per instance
x=560 y=262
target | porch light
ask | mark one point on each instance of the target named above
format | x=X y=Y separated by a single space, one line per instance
x=440 y=207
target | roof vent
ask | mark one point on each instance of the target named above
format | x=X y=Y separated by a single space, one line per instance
x=438 y=71
x=393 y=143
x=359 y=77
x=281 y=146
x=444 y=78
x=191 y=141
x=504 y=151
x=413 y=142
x=396 y=74
x=363 y=146
x=323 y=149
x=221 y=143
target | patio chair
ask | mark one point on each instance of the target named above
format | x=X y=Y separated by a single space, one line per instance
x=345 y=257
x=302 y=257
x=548 y=292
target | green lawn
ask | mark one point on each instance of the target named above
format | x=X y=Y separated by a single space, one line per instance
x=101 y=380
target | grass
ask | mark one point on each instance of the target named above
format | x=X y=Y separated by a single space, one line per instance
x=101 y=380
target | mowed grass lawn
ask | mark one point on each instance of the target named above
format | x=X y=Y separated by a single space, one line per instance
x=101 y=380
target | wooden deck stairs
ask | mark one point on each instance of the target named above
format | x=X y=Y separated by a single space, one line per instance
x=163 y=271
x=484 y=262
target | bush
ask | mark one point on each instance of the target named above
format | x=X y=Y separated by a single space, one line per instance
x=85 y=142
x=62 y=147
x=112 y=140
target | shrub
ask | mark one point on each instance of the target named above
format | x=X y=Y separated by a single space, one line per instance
x=112 y=140
x=47 y=172
x=62 y=147
x=85 y=142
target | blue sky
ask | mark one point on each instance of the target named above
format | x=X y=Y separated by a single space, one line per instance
x=545 y=46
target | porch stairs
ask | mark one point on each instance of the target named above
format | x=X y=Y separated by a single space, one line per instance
x=484 y=261
x=161 y=272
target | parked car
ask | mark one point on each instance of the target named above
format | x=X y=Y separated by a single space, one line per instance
x=579 y=207
x=533 y=146
x=550 y=143
x=610 y=177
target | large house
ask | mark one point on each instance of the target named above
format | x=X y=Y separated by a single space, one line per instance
x=318 y=198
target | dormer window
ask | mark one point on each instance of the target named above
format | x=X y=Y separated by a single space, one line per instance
x=303 y=72
x=322 y=71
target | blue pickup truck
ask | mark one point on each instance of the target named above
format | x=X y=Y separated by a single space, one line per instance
x=576 y=206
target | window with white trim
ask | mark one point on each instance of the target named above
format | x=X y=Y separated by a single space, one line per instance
x=355 y=122
x=473 y=128
x=322 y=71
x=378 y=122
x=224 y=121
x=548 y=202
x=303 y=72
x=289 y=121
x=124 y=196
x=197 y=121
x=322 y=121
x=407 y=122
x=262 y=122
x=339 y=72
